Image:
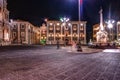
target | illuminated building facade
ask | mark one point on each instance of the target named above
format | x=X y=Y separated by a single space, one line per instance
x=66 y=33
x=4 y=24
x=24 y=32
x=118 y=31
x=43 y=33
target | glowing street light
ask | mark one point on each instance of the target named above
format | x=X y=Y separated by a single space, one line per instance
x=110 y=24
x=64 y=19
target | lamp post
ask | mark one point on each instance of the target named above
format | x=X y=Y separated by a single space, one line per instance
x=79 y=9
x=64 y=21
x=79 y=42
x=79 y=18
x=110 y=23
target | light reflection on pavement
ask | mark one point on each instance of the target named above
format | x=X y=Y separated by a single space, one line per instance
x=112 y=50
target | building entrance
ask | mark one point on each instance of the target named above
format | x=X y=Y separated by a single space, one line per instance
x=66 y=41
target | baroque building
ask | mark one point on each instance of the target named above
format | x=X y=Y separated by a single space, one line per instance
x=66 y=33
x=24 y=32
x=4 y=24
x=118 y=31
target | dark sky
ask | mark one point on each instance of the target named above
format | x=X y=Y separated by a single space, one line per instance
x=36 y=10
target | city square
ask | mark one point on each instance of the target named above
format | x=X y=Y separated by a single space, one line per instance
x=37 y=63
x=59 y=40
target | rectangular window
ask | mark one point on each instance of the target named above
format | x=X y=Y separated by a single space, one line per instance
x=22 y=26
x=22 y=34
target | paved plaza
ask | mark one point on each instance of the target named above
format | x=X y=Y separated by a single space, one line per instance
x=48 y=63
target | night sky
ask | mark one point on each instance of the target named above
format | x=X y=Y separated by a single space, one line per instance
x=35 y=11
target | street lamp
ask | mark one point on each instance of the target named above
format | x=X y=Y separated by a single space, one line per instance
x=79 y=18
x=110 y=23
x=64 y=21
x=79 y=2
x=79 y=42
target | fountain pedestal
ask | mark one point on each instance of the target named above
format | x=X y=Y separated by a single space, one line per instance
x=102 y=37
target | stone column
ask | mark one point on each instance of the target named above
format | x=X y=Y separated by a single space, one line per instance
x=9 y=33
x=54 y=33
x=79 y=31
x=101 y=20
x=1 y=32
x=117 y=30
x=61 y=32
x=19 y=39
x=71 y=33
x=47 y=30
x=27 y=34
x=85 y=33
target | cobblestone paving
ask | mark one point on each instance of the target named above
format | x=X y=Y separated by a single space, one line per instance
x=52 y=64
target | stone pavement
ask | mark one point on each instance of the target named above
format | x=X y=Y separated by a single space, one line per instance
x=48 y=63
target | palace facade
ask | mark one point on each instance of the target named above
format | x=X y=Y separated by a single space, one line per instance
x=66 y=33
x=24 y=32
x=118 y=31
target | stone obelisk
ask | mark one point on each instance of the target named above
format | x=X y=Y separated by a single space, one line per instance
x=102 y=35
x=101 y=20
